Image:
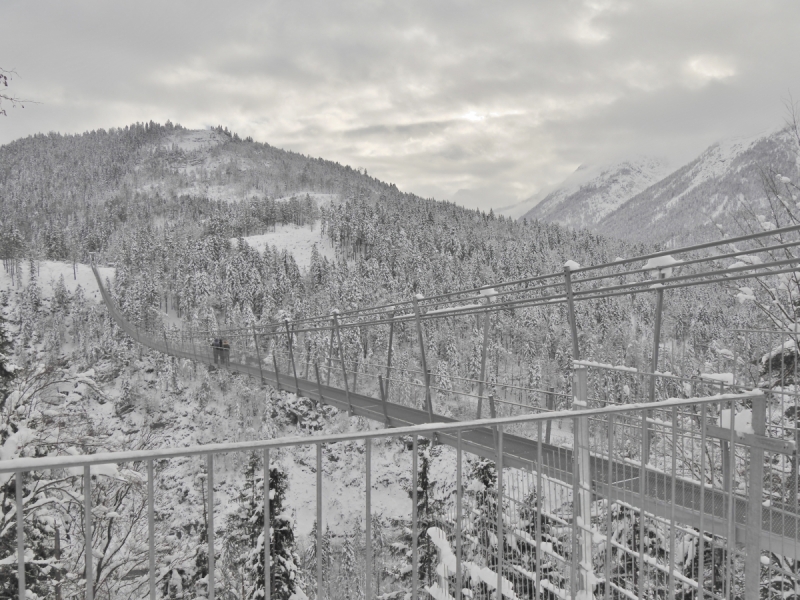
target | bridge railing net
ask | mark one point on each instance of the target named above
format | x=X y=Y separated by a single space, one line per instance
x=657 y=514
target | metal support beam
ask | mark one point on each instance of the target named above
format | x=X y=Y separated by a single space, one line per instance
x=319 y=523
x=151 y=528
x=258 y=354
x=210 y=532
x=573 y=324
x=426 y=373
x=382 y=387
x=459 y=515
x=414 y=523
x=267 y=533
x=583 y=485
x=368 y=519
x=87 y=522
x=291 y=356
x=21 y=536
x=500 y=536
x=275 y=364
x=319 y=383
x=484 y=349
x=654 y=366
x=341 y=360
x=389 y=356
x=330 y=353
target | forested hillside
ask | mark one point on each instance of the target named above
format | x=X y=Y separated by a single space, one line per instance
x=164 y=207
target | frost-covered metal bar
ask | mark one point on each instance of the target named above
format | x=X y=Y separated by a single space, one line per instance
x=210 y=524
x=500 y=513
x=266 y=530
x=151 y=529
x=414 y=523
x=459 y=514
x=87 y=521
x=319 y=522
x=20 y=536
x=368 y=518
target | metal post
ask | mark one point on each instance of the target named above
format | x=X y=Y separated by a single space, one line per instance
x=550 y=402
x=752 y=567
x=319 y=522
x=609 y=481
x=582 y=485
x=319 y=384
x=330 y=355
x=267 y=533
x=573 y=325
x=671 y=580
x=539 y=504
x=151 y=528
x=210 y=532
x=421 y=340
x=341 y=360
x=368 y=522
x=275 y=364
x=500 y=536
x=414 y=524
x=702 y=533
x=21 y=536
x=291 y=357
x=389 y=356
x=459 y=516
x=87 y=521
x=258 y=354
x=654 y=367
x=486 y=321
x=382 y=388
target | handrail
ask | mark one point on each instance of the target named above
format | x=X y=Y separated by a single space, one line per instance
x=60 y=462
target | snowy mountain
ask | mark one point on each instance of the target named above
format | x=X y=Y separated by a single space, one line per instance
x=594 y=191
x=709 y=190
x=642 y=201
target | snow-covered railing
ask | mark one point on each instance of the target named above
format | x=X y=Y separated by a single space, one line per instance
x=522 y=531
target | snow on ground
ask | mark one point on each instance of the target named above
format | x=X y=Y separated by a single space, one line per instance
x=298 y=241
x=50 y=271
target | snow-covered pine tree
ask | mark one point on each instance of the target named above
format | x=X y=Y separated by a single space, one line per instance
x=245 y=535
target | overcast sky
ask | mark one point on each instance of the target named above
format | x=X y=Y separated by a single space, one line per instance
x=500 y=99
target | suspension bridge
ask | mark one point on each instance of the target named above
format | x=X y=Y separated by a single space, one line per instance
x=675 y=462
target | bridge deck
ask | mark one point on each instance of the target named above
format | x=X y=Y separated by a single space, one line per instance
x=779 y=526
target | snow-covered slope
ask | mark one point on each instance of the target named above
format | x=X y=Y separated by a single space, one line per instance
x=594 y=191
x=710 y=189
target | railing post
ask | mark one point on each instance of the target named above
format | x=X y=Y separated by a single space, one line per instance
x=500 y=536
x=484 y=349
x=550 y=403
x=210 y=532
x=582 y=500
x=752 y=567
x=267 y=533
x=389 y=355
x=573 y=325
x=87 y=521
x=414 y=524
x=341 y=360
x=382 y=388
x=21 y=536
x=654 y=367
x=319 y=522
x=151 y=528
x=319 y=383
x=258 y=354
x=368 y=522
x=330 y=353
x=426 y=375
x=275 y=365
x=291 y=357
x=459 y=516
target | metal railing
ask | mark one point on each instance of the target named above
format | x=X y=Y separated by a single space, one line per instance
x=586 y=517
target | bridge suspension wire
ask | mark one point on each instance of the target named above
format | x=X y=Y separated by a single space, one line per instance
x=379 y=315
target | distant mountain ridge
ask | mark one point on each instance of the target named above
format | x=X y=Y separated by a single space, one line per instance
x=637 y=201
x=593 y=192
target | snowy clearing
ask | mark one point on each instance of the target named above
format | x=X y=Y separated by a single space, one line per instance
x=298 y=241
x=49 y=272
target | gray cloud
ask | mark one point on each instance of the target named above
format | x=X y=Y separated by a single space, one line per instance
x=496 y=100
